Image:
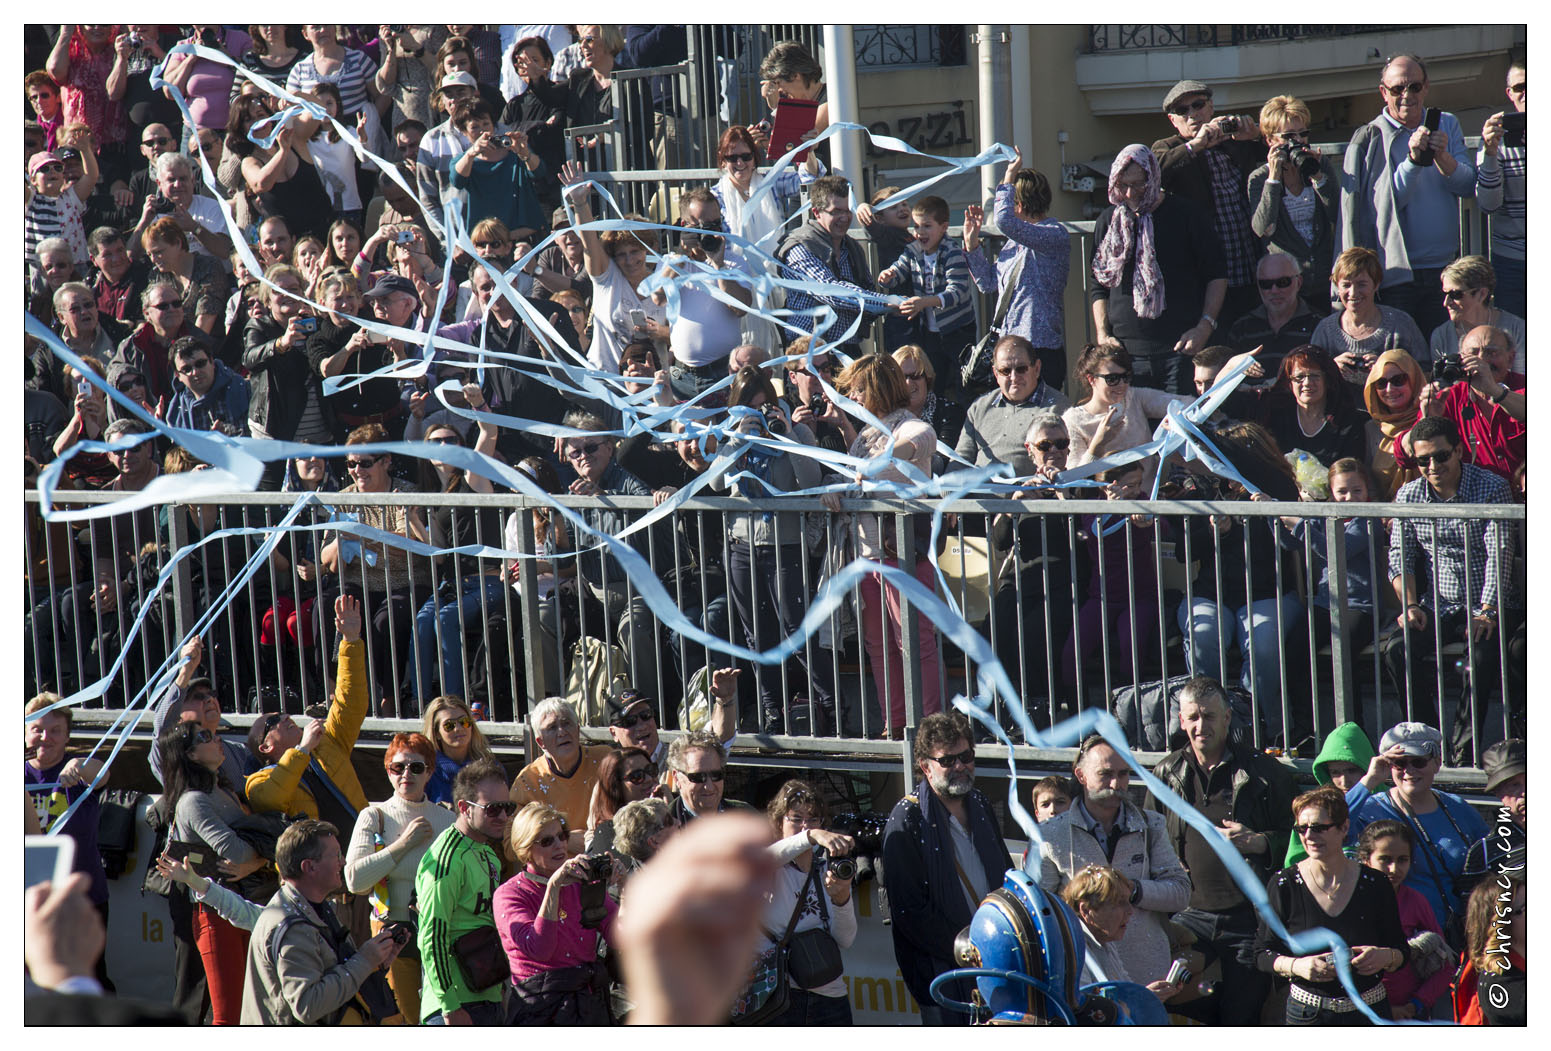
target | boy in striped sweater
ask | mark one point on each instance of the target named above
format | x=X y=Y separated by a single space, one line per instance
x=939 y=306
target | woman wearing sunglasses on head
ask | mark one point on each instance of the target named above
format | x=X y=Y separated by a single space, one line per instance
x=458 y=742
x=385 y=850
x=1330 y=890
x=550 y=928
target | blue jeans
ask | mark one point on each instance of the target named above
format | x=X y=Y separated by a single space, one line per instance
x=807 y=1008
x=1207 y=625
x=477 y=593
x=482 y=1013
x=1512 y=292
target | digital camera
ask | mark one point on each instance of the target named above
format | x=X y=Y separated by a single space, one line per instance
x=1448 y=370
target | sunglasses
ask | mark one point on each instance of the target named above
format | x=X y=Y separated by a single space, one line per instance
x=1045 y=446
x=642 y=773
x=1113 y=379
x=627 y=722
x=159 y=140
x=704 y=776
x=964 y=758
x=482 y=245
x=829 y=368
x=1016 y=370
x=449 y=725
x=1397 y=90
x=738 y=158
x=193 y=367
x=544 y=842
x=127 y=385
x=1414 y=762
x=203 y=737
x=1519 y=88
x=506 y=809
x=1392 y=381
x=588 y=450
x=1268 y=283
x=415 y=767
x=1454 y=295
x=1428 y=459
x=271 y=721
x=54 y=168
x=1313 y=830
x=1179 y=109
x=363 y=465
x=446 y=439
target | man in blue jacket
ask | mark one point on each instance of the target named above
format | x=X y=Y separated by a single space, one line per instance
x=210 y=396
x=942 y=853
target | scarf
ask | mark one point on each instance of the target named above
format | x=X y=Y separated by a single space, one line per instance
x=750 y=223
x=1128 y=228
x=1392 y=465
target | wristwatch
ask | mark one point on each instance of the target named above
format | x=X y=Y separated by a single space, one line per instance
x=1501 y=394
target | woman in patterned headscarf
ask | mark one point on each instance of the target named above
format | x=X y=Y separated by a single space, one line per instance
x=1159 y=273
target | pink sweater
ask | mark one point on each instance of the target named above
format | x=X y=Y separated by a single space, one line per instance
x=1416 y=915
x=533 y=944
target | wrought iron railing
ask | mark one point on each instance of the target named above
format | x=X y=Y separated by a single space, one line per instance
x=1143 y=37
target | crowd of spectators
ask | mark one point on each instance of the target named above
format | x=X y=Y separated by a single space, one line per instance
x=1382 y=366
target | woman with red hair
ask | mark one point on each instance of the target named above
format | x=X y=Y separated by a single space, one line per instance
x=385 y=850
x=1309 y=407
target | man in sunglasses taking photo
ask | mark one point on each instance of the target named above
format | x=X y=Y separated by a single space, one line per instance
x=942 y=853
x=633 y=716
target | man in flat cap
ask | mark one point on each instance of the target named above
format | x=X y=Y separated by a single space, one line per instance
x=1504 y=848
x=1209 y=159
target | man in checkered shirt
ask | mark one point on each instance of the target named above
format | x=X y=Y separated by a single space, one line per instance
x=1502 y=183
x=1471 y=597
x=820 y=251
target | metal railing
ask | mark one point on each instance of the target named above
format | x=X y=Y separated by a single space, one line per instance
x=1037 y=579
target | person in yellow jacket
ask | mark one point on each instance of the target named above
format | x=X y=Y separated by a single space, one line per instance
x=308 y=771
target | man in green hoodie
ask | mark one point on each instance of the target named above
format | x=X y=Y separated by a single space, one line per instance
x=1342 y=762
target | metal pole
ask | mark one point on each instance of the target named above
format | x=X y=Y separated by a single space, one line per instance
x=1021 y=85
x=840 y=78
x=994 y=83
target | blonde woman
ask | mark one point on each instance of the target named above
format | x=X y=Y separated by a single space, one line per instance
x=451 y=728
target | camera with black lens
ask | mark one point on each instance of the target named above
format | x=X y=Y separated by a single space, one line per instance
x=403 y=931
x=1230 y=125
x=699 y=237
x=397 y=29
x=1448 y=370
x=819 y=405
x=1303 y=159
x=775 y=423
x=866 y=832
x=594 y=888
x=161 y=204
x=504 y=141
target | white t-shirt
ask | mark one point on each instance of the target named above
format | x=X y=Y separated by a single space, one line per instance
x=205 y=212
x=1300 y=209
x=707 y=329
x=336 y=163
x=612 y=301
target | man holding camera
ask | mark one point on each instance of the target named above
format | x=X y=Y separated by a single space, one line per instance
x=1502 y=186
x=1209 y=159
x=199 y=218
x=1468 y=561
x=1484 y=399
x=707 y=329
x=303 y=969
x=942 y=853
x=1401 y=179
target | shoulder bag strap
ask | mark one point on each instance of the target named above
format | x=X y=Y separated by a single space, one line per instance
x=802 y=897
x=1430 y=852
x=1004 y=299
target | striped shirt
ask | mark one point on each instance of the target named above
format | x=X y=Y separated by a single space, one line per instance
x=1502 y=182
x=55 y=217
x=455 y=889
x=350 y=78
x=948 y=279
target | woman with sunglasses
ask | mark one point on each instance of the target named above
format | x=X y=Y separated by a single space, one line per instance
x=1309 y=408
x=1116 y=416
x=557 y=978
x=204 y=806
x=1392 y=394
x=738 y=157
x=623 y=777
x=1330 y=890
x=385 y=849
x=1468 y=284
x=942 y=415
x=1362 y=329
x=798 y=814
x=1295 y=213
x=452 y=730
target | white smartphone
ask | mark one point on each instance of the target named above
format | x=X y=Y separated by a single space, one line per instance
x=638 y=319
x=48 y=858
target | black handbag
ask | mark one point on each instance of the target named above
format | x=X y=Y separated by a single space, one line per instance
x=482 y=958
x=813 y=956
x=975 y=359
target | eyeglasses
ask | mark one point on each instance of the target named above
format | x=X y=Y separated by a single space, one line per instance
x=448 y=725
x=1396 y=380
x=1268 y=283
x=705 y=775
x=1454 y=295
x=193 y=367
x=156 y=140
x=482 y=245
x=1306 y=379
x=203 y=737
x=446 y=439
x=1015 y=370
x=168 y=307
x=415 y=767
x=1113 y=379
x=506 y=809
x=642 y=773
x=1314 y=830
x=738 y=158
x=1517 y=89
x=627 y=722
x=271 y=721
x=363 y=465
x=129 y=384
x=1397 y=90
x=1413 y=762
x=1428 y=459
x=54 y=168
x=587 y=450
x=544 y=842
x=964 y=758
x=1045 y=446
x=1179 y=109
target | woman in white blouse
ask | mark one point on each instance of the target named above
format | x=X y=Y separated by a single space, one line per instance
x=385 y=849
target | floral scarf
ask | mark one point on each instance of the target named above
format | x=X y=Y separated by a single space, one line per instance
x=1128 y=228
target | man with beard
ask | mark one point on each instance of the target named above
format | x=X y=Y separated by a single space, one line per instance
x=1105 y=828
x=942 y=852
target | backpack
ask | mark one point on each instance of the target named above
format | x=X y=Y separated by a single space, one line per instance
x=1149 y=714
x=598 y=671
